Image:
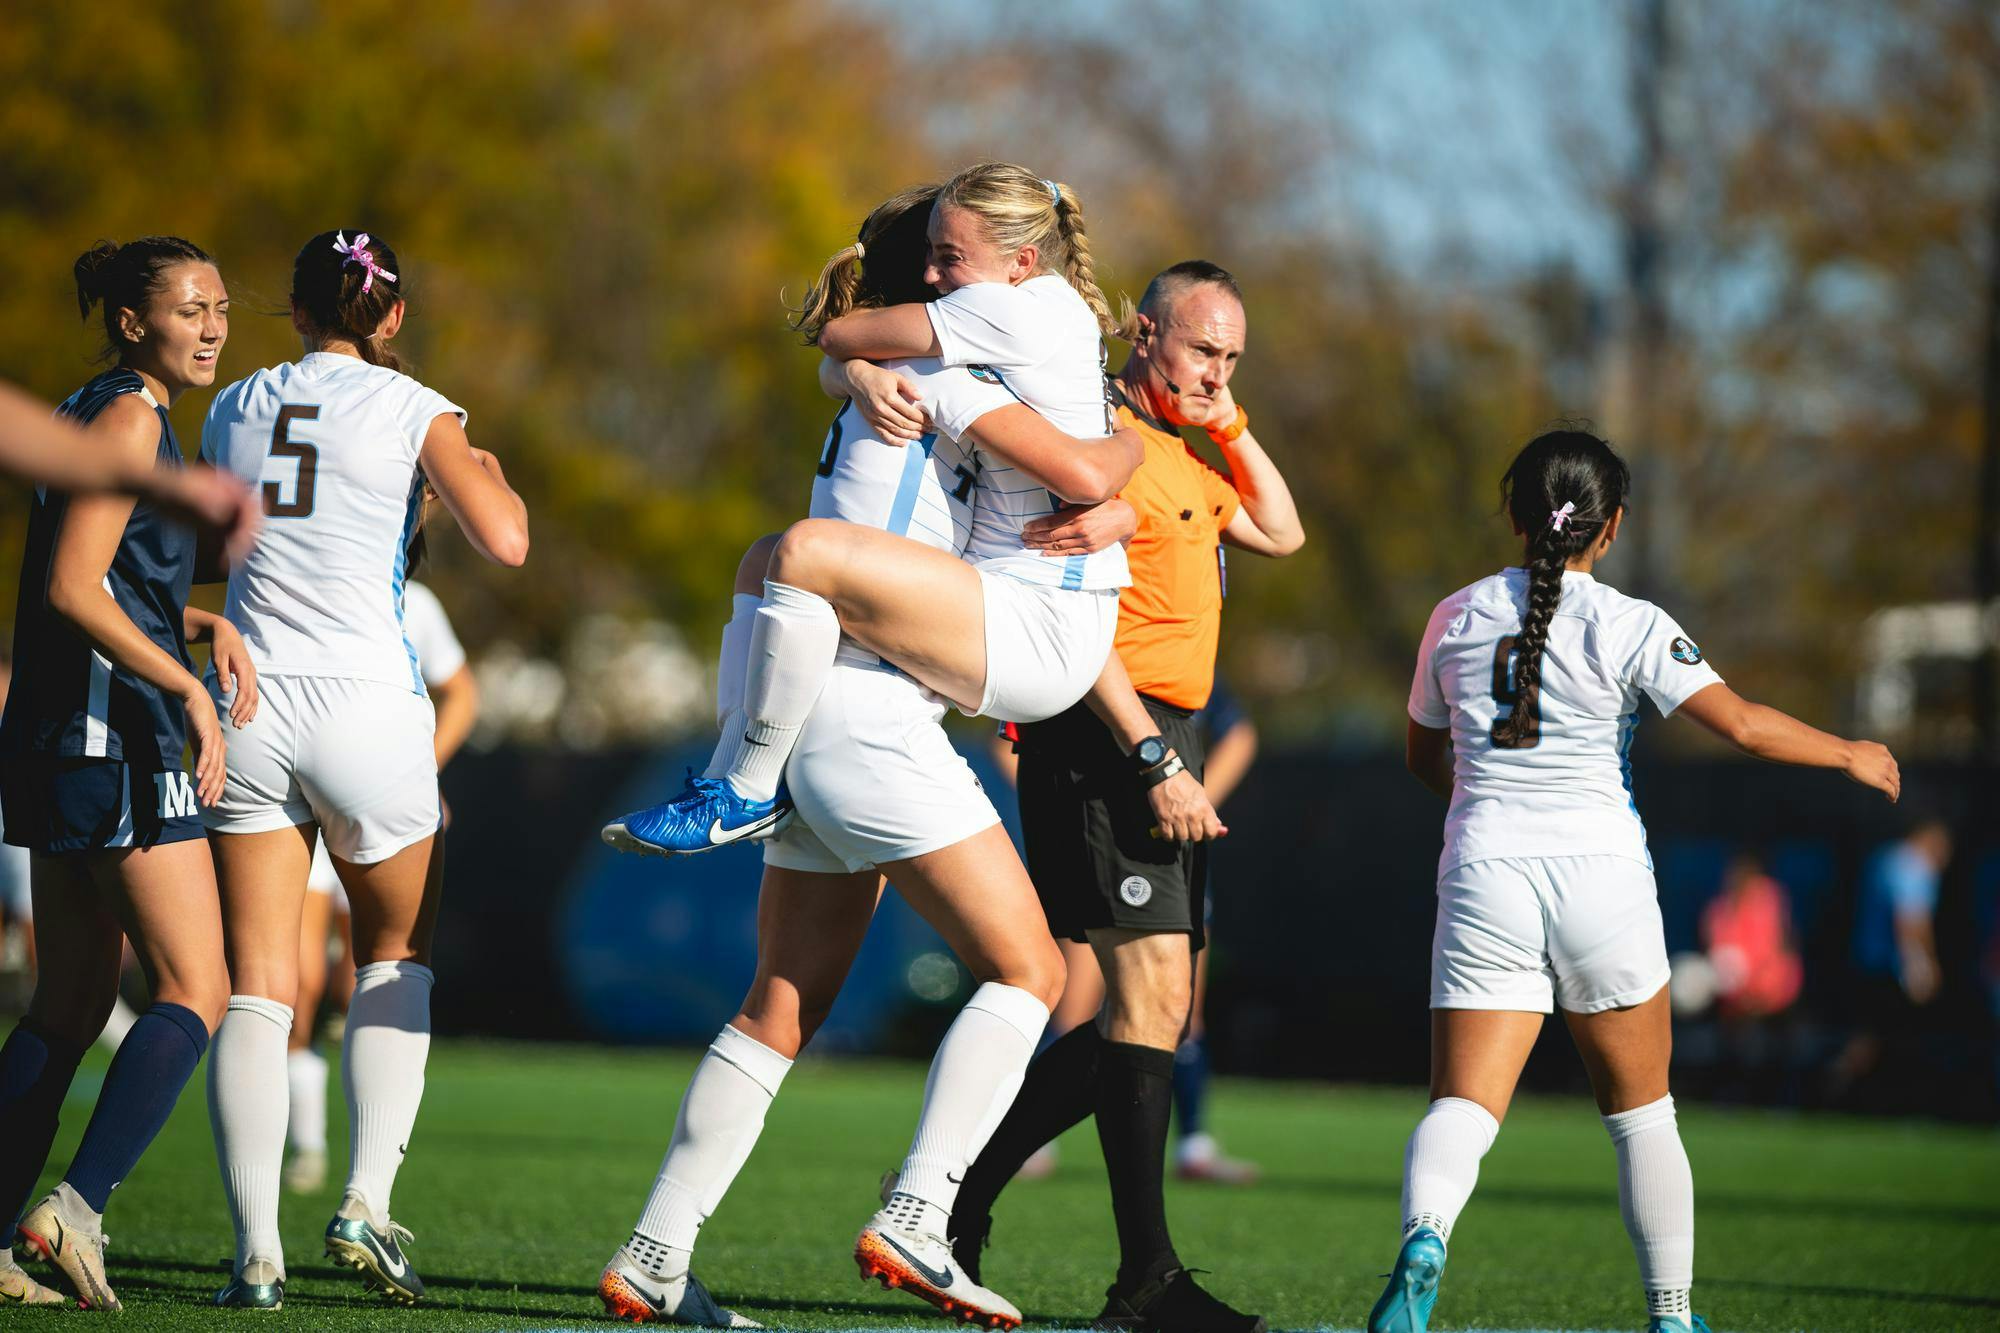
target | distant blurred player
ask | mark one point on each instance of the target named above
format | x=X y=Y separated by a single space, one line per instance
x=1895 y=947
x=341 y=445
x=325 y=919
x=1525 y=698
x=17 y=903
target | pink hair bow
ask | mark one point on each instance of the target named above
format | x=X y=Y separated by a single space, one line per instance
x=1557 y=517
x=359 y=253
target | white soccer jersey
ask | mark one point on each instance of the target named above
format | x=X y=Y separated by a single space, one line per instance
x=333 y=441
x=1039 y=341
x=428 y=628
x=1568 y=792
x=921 y=491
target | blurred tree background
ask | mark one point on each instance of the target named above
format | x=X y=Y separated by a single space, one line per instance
x=1754 y=242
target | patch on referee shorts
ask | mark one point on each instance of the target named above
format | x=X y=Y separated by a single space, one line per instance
x=1137 y=890
x=1685 y=651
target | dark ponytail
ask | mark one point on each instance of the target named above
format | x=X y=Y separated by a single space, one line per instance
x=127 y=277
x=343 y=296
x=1561 y=491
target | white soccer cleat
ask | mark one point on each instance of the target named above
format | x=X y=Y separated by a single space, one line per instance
x=63 y=1231
x=630 y=1293
x=305 y=1173
x=922 y=1264
x=17 y=1288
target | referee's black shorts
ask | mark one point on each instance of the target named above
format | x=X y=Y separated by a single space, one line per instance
x=1088 y=827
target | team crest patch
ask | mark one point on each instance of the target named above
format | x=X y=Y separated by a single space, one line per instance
x=987 y=375
x=1137 y=890
x=1685 y=651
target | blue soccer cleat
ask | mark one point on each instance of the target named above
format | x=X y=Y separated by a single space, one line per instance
x=1406 y=1302
x=707 y=814
x=1673 y=1323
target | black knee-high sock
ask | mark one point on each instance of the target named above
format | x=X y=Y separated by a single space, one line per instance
x=1135 y=1086
x=36 y=1069
x=1059 y=1091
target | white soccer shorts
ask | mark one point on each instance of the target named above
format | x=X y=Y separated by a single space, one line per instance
x=1527 y=933
x=1045 y=646
x=874 y=776
x=354 y=756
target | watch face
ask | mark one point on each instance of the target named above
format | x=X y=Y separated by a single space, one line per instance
x=1152 y=750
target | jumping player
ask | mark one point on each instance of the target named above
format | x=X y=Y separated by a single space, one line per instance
x=1015 y=634
x=104 y=699
x=1522 y=711
x=880 y=791
x=340 y=443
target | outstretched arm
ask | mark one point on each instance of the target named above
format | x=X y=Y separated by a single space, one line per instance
x=1080 y=471
x=880 y=333
x=1782 y=739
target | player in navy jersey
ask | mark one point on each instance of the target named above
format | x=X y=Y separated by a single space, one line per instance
x=1526 y=693
x=104 y=700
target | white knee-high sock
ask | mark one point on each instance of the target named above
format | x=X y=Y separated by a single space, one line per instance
x=792 y=643
x=1441 y=1165
x=721 y=1116
x=730 y=668
x=247 y=1109
x=977 y=1070
x=1656 y=1195
x=382 y=1069
x=305 y=1071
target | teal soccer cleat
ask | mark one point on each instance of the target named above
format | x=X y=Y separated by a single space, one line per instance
x=353 y=1239
x=1673 y=1323
x=258 y=1287
x=1406 y=1302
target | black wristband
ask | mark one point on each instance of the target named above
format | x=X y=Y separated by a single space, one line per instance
x=1169 y=767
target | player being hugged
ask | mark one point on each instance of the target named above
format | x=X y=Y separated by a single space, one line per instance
x=341 y=443
x=1008 y=631
x=880 y=790
x=104 y=700
x=1522 y=712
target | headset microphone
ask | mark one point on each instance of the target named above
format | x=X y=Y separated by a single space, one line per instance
x=1172 y=387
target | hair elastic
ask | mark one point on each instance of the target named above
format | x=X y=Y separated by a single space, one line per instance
x=860 y=250
x=1558 y=517
x=359 y=253
x=1055 y=191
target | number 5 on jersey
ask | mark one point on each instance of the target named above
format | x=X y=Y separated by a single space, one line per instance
x=1505 y=694
x=284 y=446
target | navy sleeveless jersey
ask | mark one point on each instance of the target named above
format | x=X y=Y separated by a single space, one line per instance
x=67 y=699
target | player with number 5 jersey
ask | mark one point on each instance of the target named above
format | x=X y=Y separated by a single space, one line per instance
x=341 y=443
x=1527 y=690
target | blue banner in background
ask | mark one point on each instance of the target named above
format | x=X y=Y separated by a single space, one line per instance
x=652 y=949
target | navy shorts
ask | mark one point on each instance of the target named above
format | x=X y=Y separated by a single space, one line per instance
x=55 y=804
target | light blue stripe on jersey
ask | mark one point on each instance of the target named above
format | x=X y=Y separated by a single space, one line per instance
x=401 y=572
x=1073 y=572
x=916 y=462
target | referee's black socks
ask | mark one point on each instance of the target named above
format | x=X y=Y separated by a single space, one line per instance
x=1135 y=1089
x=1059 y=1091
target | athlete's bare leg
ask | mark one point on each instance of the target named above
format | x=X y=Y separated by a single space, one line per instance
x=809 y=929
x=1626 y=1052
x=921 y=608
x=315 y=925
x=1477 y=1055
x=976 y=893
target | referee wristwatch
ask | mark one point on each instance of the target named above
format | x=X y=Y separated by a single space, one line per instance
x=1155 y=761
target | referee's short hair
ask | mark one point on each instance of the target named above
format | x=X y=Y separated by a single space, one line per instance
x=1171 y=282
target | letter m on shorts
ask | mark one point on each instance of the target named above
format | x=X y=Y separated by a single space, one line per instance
x=176 y=795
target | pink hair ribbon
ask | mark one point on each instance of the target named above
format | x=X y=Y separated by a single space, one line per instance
x=359 y=253
x=1558 y=517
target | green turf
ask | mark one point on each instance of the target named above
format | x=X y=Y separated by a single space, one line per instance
x=530 y=1163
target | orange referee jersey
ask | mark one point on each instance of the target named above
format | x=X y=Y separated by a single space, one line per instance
x=1168 y=620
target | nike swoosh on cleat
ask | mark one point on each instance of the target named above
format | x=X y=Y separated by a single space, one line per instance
x=393 y=1262
x=956 y=1180
x=937 y=1277
x=747 y=827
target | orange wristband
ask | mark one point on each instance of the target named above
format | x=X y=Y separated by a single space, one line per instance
x=1228 y=434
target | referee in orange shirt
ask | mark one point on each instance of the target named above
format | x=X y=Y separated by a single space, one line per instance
x=1112 y=806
